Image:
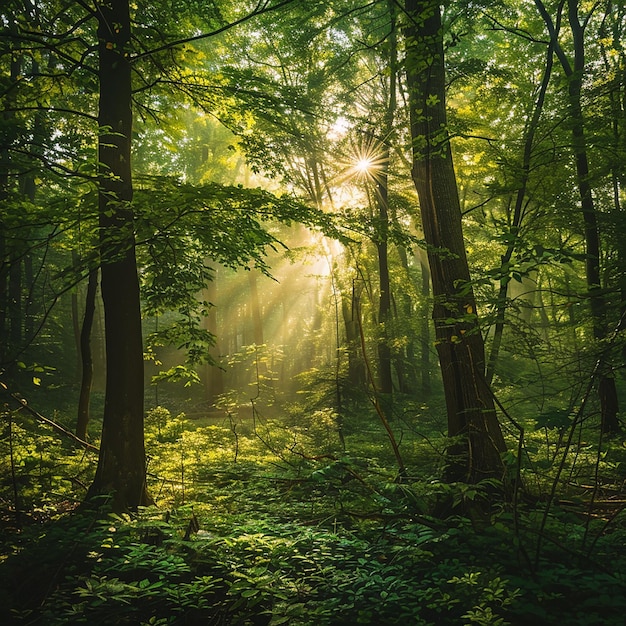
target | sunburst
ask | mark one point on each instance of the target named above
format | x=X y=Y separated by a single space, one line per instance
x=366 y=162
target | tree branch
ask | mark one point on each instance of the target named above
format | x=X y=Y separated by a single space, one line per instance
x=260 y=9
x=60 y=429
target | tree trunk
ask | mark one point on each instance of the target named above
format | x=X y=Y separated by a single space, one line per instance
x=76 y=323
x=518 y=213
x=606 y=383
x=121 y=468
x=381 y=181
x=10 y=263
x=352 y=319
x=4 y=291
x=86 y=357
x=255 y=308
x=609 y=405
x=384 y=315
x=214 y=375
x=15 y=304
x=617 y=98
x=477 y=442
x=425 y=328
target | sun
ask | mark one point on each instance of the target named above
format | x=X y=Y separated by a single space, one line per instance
x=367 y=161
x=363 y=166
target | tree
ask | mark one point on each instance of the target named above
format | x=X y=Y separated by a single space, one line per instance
x=519 y=213
x=86 y=356
x=476 y=437
x=381 y=181
x=11 y=255
x=575 y=74
x=611 y=35
x=122 y=463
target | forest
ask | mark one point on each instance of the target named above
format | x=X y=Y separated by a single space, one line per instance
x=312 y=312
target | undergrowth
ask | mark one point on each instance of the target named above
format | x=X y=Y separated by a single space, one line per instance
x=261 y=524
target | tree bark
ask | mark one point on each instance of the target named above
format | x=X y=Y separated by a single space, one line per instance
x=86 y=357
x=255 y=308
x=10 y=263
x=121 y=468
x=15 y=304
x=477 y=442
x=425 y=347
x=352 y=319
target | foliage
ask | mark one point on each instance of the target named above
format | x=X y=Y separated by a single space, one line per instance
x=38 y=467
x=277 y=494
x=185 y=230
x=247 y=533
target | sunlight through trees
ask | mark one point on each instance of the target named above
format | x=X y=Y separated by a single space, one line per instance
x=312 y=312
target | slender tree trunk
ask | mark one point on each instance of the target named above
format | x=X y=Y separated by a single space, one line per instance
x=384 y=286
x=384 y=311
x=10 y=264
x=425 y=346
x=255 y=308
x=4 y=292
x=405 y=362
x=607 y=390
x=351 y=320
x=86 y=357
x=617 y=98
x=477 y=441
x=381 y=181
x=76 y=325
x=4 y=257
x=214 y=378
x=15 y=304
x=29 y=188
x=518 y=214
x=609 y=405
x=121 y=468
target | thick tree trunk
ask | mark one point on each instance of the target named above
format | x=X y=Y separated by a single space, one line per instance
x=477 y=441
x=121 y=465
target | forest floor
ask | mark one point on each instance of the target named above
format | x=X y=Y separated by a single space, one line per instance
x=266 y=521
